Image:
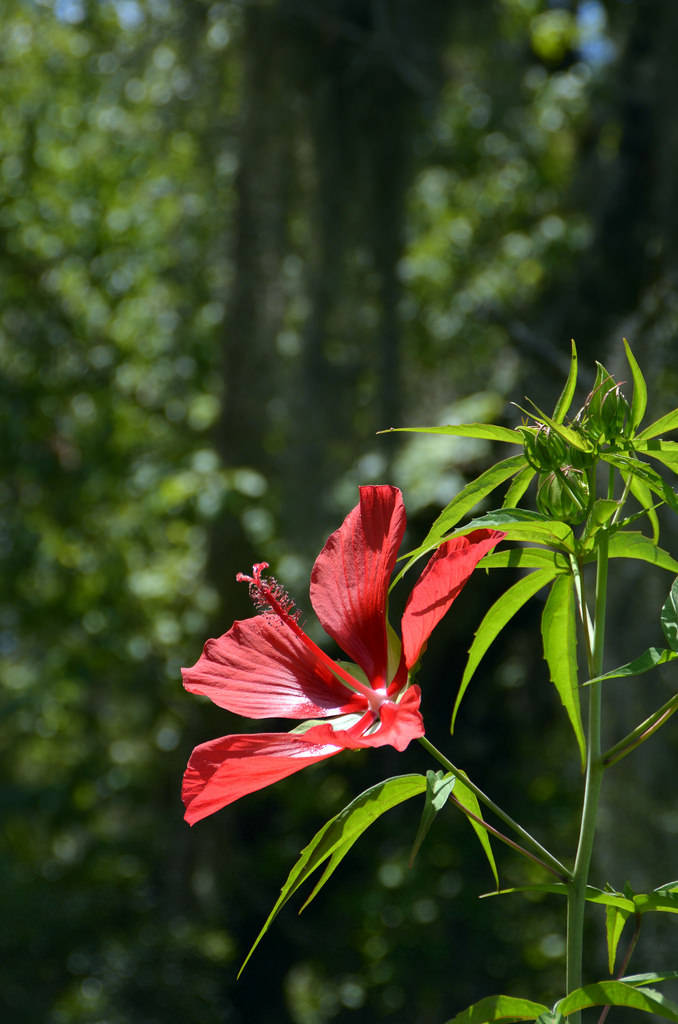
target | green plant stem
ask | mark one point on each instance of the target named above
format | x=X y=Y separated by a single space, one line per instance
x=576 y=900
x=642 y=732
x=535 y=850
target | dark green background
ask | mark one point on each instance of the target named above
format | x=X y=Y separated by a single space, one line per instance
x=236 y=239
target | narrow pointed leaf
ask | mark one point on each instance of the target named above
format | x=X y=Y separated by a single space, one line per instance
x=519 y=485
x=649 y=659
x=474 y=492
x=641 y=492
x=669 y=617
x=339 y=834
x=571 y=436
x=559 y=634
x=469 y=801
x=665 y=452
x=481 y=431
x=639 y=401
x=439 y=785
x=499 y=1008
x=617 y=993
x=615 y=919
x=661 y=902
x=565 y=401
x=643 y=472
x=650 y=978
x=525 y=558
x=593 y=895
x=501 y=612
x=460 y=505
x=664 y=425
x=630 y=544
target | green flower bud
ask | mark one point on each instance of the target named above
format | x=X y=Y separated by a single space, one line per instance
x=564 y=494
x=544 y=449
x=605 y=415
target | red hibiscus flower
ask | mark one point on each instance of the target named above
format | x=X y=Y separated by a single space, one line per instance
x=267 y=667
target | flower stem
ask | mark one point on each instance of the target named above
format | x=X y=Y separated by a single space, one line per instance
x=576 y=899
x=535 y=850
x=642 y=732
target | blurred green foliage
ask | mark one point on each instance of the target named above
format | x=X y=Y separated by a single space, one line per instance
x=237 y=238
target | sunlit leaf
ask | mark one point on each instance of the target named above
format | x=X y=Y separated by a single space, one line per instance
x=643 y=472
x=565 y=401
x=525 y=558
x=468 y=800
x=499 y=1008
x=649 y=659
x=650 y=977
x=474 y=492
x=641 y=492
x=559 y=634
x=664 y=425
x=518 y=486
x=669 y=617
x=593 y=895
x=339 y=834
x=481 y=431
x=439 y=786
x=615 y=919
x=501 y=612
x=617 y=993
x=630 y=544
x=665 y=452
x=639 y=401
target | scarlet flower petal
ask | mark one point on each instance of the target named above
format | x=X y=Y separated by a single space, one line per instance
x=398 y=724
x=444 y=576
x=262 y=669
x=351 y=575
x=227 y=768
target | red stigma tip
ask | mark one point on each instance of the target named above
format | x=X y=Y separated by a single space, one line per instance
x=267 y=595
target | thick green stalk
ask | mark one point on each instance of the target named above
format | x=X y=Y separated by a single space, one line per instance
x=535 y=850
x=576 y=901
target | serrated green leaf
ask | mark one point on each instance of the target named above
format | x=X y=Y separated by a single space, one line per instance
x=617 y=993
x=439 y=786
x=669 y=617
x=559 y=634
x=468 y=800
x=519 y=485
x=499 y=1008
x=565 y=401
x=525 y=558
x=501 y=612
x=639 y=401
x=649 y=659
x=480 y=431
x=338 y=835
x=663 y=425
x=630 y=544
x=615 y=919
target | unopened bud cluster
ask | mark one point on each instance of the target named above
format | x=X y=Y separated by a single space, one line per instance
x=563 y=490
x=605 y=416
